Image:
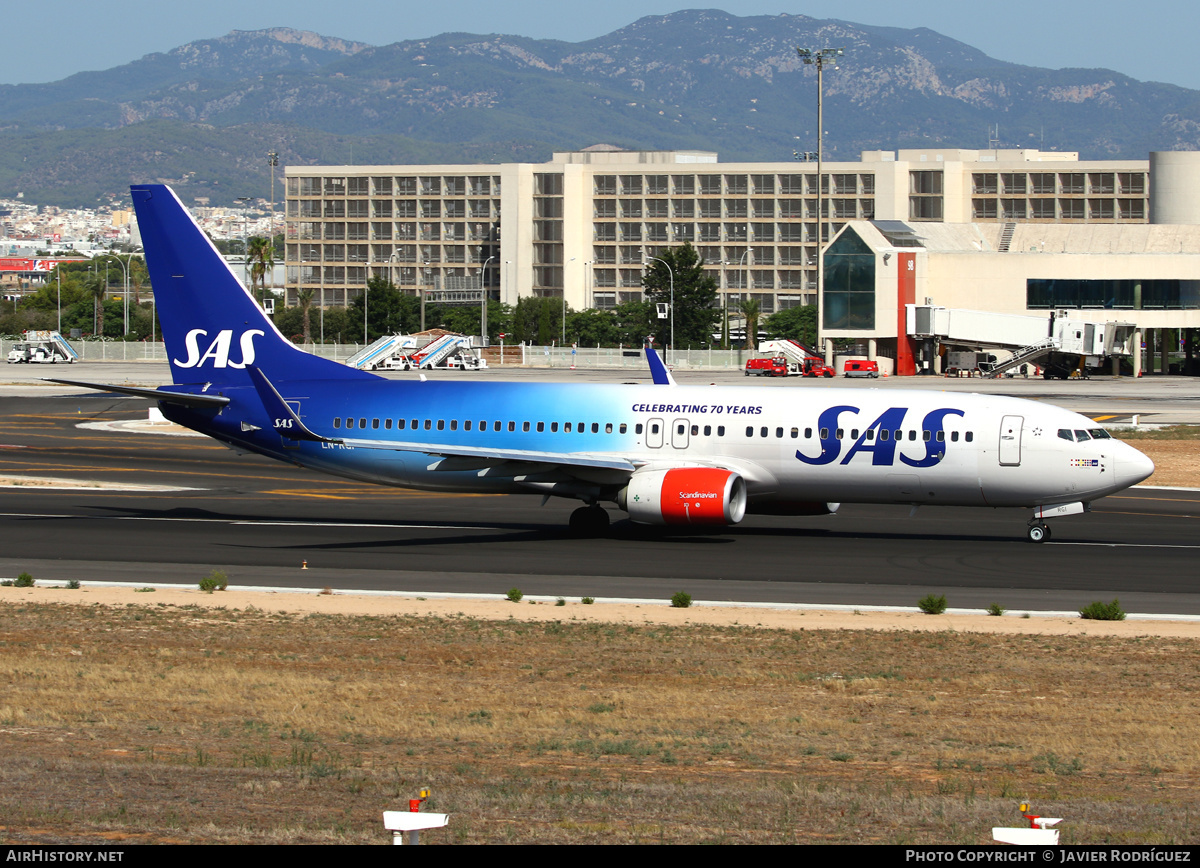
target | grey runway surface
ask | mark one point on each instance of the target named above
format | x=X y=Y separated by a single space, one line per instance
x=259 y=520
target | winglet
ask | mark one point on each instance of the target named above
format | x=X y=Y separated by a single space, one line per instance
x=283 y=419
x=662 y=377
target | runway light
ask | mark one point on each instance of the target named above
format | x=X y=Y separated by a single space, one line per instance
x=304 y=565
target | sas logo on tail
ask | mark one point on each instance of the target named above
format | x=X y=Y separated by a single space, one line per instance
x=218 y=349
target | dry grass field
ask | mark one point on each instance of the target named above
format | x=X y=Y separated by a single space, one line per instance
x=1175 y=452
x=154 y=722
x=166 y=723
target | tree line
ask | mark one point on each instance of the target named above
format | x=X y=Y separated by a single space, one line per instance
x=88 y=294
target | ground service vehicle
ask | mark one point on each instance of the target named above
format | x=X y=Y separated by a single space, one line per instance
x=666 y=454
x=861 y=368
x=816 y=368
x=34 y=354
x=772 y=367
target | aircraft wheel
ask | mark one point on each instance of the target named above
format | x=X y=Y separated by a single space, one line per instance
x=1038 y=533
x=589 y=521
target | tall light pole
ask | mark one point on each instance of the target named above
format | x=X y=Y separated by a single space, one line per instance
x=819 y=57
x=564 y=301
x=743 y=289
x=125 y=268
x=392 y=268
x=483 y=296
x=245 y=240
x=672 y=276
x=272 y=163
x=421 y=292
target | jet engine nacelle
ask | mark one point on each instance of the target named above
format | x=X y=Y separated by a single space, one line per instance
x=685 y=495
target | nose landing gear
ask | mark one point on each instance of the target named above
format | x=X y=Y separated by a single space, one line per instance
x=1038 y=532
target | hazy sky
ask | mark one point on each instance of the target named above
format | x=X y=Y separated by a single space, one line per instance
x=1150 y=40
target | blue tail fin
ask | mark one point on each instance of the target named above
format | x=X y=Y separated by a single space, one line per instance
x=213 y=328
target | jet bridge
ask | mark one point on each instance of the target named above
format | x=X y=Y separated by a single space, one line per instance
x=1057 y=342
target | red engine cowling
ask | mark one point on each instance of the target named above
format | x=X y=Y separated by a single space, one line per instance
x=685 y=495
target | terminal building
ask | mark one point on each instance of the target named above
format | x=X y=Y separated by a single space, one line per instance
x=1019 y=231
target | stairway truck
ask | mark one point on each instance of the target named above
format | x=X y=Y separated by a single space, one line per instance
x=32 y=354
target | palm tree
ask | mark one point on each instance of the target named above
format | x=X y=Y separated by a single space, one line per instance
x=261 y=255
x=98 y=289
x=137 y=273
x=305 y=299
x=751 y=309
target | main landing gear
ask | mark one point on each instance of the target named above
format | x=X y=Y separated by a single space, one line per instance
x=1038 y=532
x=589 y=521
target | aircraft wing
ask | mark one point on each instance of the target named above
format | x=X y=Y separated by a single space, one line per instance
x=187 y=399
x=486 y=455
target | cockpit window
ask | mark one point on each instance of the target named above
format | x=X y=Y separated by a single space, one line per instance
x=1081 y=436
x=1065 y=434
x=1099 y=434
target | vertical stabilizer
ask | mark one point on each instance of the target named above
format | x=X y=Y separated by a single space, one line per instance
x=211 y=324
x=658 y=371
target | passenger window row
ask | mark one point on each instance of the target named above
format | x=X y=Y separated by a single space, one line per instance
x=884 y=434
x=470 y=425
x=869 y=435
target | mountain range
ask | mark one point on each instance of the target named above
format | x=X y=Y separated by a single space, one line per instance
x=203 y=116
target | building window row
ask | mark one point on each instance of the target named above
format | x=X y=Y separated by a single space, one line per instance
x=1059 y=209
x=400 y=185
x=846 y=184
x=1042 y=294
x=1059 y=183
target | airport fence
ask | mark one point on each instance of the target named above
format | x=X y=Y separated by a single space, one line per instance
x=632 y=357
x=530 y=356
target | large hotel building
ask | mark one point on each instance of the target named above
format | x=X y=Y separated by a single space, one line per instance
x=583 y=225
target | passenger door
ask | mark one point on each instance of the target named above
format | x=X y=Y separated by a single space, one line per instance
x=679 y=433
x=654 y=433
x=1010 y=441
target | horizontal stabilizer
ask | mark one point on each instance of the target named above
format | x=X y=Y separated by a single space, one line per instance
x=187 y=399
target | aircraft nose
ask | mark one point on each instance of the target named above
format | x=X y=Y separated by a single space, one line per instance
x=1132 y=467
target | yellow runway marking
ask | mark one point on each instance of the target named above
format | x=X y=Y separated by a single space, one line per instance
x=283 y=492
x=1159 y=499
x=1151 y=514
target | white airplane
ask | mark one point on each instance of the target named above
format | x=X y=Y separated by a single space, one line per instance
x=664 y=453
